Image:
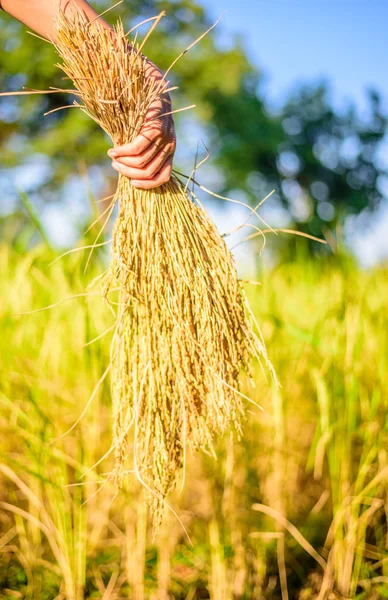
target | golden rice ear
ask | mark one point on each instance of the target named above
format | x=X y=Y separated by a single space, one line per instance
x=183 y=334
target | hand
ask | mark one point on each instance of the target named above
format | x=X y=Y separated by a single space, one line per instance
x=147 y=160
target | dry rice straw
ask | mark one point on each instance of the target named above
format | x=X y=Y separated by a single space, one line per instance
x=183 y=334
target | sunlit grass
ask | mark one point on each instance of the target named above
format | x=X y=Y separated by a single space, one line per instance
x=315 y=459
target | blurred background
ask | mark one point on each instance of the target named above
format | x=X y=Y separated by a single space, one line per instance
x=291 y=97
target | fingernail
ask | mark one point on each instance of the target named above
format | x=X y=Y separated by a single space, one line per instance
x=112 y=153
x=116 y=166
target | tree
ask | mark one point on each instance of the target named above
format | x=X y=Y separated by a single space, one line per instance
x=322 y=163
x=67 y=134
x=331 y=157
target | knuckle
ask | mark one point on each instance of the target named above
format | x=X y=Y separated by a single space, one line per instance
x=126 y=151
x=171 y=146
x=166 y=150
x=142 y=163
x=149 y=172
x=137 y=147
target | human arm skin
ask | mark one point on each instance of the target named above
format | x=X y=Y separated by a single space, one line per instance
x=40 y=15
x=147 y=160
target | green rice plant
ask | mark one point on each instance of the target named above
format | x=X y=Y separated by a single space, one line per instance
x=352 y=437
x=319 y=321
x=336 y=344
x=52 y=508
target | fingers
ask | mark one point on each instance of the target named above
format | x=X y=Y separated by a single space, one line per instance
x=156 y=131
x=138 y=145
x=161 y=176
x=149 y=172
x=147 y=160
x=159 y=179
x=140 y=161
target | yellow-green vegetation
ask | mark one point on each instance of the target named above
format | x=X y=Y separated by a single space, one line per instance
x=297 y=506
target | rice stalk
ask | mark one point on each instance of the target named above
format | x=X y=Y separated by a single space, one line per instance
x=183 y=334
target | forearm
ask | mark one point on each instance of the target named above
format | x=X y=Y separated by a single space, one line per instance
x=40 y=15
x=147 y=160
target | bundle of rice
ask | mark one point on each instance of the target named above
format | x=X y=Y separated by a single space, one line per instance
x=182 y=335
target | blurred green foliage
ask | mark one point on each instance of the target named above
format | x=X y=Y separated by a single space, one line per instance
x=323 y=164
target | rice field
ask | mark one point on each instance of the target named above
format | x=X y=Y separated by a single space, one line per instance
x=295 y=509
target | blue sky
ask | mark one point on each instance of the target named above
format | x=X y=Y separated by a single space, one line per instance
x=303 y=40
x=295 y=41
